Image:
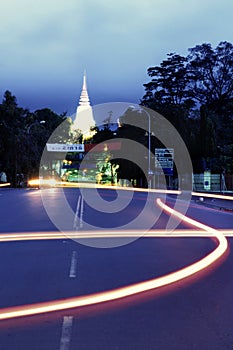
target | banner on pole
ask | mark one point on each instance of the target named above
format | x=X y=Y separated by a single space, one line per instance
x=59 y=147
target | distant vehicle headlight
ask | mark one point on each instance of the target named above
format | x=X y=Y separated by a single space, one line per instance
x=50 y=182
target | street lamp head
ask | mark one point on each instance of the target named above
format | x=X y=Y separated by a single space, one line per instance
x=35 y=123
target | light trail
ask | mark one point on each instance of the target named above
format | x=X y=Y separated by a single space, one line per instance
x=111 y=187
x=125 y=291
x=54 y=235
x=5 y=184
x=212 y=195
x=138 y=189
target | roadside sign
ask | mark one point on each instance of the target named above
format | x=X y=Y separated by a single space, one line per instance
x=59 y=147
x=164 y=158
x=207 y=180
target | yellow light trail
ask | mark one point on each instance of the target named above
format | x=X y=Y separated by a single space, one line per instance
x=213 y=195
x=5 y=184
x=107 y=187
x=125 y=291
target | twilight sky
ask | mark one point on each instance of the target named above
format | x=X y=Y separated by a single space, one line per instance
x=46 y=45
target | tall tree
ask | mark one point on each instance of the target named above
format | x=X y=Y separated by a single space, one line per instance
x=211 y=84
x=210 y=74
x=12 y=123
x=168 y=93
x=200 y=84
x=169 y=84
x=23 y=136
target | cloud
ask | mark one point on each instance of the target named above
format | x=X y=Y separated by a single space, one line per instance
x=49 y=43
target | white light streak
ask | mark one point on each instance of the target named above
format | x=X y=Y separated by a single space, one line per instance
x=125 y=291
x=213 y=195
x=5 y=184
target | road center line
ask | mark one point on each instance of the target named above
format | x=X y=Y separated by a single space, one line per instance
x=76 y=213
x=66 y=333
x=81 y=212
x=73 y=265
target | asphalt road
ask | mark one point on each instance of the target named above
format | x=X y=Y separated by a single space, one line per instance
x=196 y=313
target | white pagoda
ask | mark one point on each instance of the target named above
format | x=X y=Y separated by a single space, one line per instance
x=84 y=119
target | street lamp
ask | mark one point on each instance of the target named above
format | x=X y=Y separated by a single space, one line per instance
x=35 y=123
x=141 y=111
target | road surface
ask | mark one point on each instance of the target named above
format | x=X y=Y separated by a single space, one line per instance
x=194 y=313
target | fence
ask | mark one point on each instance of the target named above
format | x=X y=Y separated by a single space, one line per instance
x=213 y=182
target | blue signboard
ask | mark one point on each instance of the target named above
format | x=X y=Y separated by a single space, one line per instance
x=164 y=159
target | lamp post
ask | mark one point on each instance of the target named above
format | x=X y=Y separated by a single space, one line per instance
x=28 y=130
x=35 y=123
x=141 y=111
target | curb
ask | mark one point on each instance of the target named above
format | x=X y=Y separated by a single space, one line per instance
x=214 y=206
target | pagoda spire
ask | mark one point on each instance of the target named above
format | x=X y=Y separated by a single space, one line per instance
x=84 y=98
x=84 y=119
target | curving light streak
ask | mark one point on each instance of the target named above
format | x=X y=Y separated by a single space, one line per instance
x=119 y=293
x=54 y=235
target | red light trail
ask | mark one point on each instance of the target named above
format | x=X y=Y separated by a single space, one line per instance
x=125 y=291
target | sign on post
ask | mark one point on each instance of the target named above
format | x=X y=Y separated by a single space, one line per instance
x=164 y=159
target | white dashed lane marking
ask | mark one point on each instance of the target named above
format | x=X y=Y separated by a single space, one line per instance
x=66 y=333
x=78 y=218
x=73 y=265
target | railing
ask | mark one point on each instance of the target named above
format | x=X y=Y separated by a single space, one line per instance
x=215 y=182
